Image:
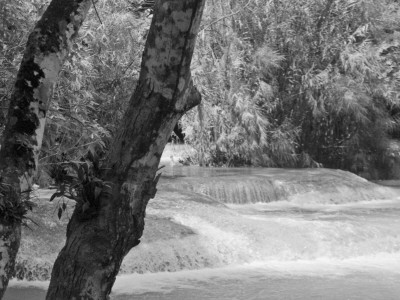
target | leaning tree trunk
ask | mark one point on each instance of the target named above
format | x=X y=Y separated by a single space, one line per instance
x=47 y=49
x=100 y=236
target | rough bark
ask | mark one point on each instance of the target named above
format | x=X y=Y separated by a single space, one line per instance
x=47 y=48
x=89 y=262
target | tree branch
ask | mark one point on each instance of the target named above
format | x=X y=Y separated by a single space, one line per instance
x=226 y=16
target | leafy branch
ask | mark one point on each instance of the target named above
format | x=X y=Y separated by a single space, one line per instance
x=80 y=181
x=12 y=209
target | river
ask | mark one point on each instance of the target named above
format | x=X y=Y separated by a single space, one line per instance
x=261 y=234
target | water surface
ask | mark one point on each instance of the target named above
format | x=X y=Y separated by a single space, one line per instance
x=261 y=234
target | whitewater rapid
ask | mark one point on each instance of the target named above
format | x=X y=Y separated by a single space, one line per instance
x=264 y=234
x=270 y=234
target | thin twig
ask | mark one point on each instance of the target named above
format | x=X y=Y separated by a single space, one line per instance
x=97 y=13
x=67 y=150
x=224 y=17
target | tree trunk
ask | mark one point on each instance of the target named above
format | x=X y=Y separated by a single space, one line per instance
x=87 y=266
x=47 y=48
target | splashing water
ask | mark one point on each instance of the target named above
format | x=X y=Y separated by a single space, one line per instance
x=265 y=234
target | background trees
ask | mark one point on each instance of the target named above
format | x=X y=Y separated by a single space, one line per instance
x=284 y=84
x=298 y=83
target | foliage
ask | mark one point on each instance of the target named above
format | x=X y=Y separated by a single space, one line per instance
x=30 y=270
x=80 y=181
x=233 y=125
x=95 y=83
x=12 y=209
x=297 y=83
x=284 y=83
x=344 y=93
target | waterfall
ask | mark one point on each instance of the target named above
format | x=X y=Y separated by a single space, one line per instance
x=229 y=232
x=241 y=186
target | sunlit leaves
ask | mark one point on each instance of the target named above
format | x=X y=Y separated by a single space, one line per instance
x=289 y=81
x=96 y=82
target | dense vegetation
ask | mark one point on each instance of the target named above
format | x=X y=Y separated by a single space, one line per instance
x=299 y=83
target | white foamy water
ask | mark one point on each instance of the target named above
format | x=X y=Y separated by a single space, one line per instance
x=316 y=243
x=281 y=250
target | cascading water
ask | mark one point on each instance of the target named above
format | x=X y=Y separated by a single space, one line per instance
x=242 y=186
x=265 y=234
